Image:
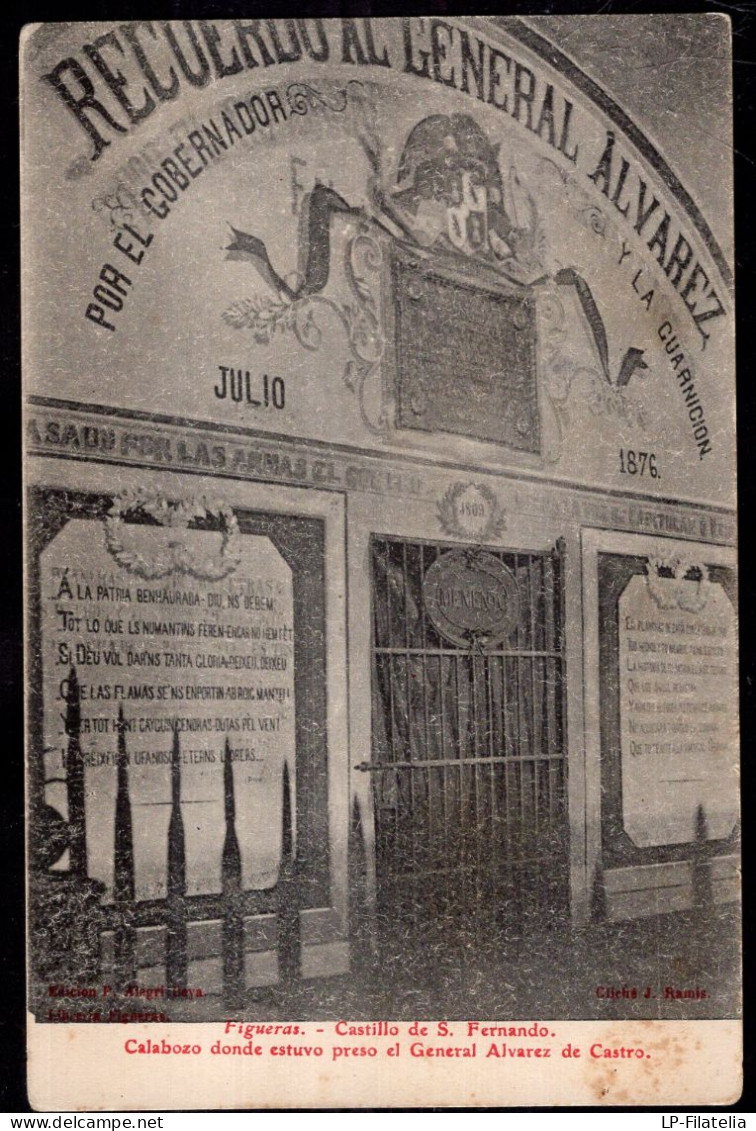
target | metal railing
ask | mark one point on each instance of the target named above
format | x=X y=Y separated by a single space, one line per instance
x=124 y=916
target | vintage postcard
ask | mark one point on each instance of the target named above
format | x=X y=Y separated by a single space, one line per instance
x=381 y=563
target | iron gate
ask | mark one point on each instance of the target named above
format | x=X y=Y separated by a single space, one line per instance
x=468 y=762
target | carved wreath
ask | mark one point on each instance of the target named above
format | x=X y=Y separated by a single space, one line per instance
x=175 y=556
x=692 y=584
x=495 y=524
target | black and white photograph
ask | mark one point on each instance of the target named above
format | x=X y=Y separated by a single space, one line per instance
x=381 y=631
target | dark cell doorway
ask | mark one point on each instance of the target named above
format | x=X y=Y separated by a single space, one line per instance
x=468 y=761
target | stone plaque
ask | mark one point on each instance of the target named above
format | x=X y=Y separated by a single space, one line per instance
x=206 y=659
x=678 y=681
x=465 y=357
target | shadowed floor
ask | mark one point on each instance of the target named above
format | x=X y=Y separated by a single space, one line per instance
x=550 y=974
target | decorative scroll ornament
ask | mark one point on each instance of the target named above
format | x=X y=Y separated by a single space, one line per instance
x=122 y=205
x=471 y=598
x=302 y=97
x=448 y=199
x=146 y=509
x=678 y=583
x=570 y=387
x=589 y=214
x=471 y=510
x=304 y=317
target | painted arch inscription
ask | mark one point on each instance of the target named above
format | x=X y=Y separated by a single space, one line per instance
x=437 y=174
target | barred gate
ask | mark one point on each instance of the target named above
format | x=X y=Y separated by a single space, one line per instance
x=469 y=757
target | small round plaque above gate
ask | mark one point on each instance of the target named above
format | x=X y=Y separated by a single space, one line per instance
x=471 y=598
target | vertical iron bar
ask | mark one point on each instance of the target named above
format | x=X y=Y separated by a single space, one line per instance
x=444 y=776
x=462 y=854
x=522 y=731
x=176 y=934
x=507 y=663
x=392 y=660
x=289 y=931
x=475 y=662
x=231 y=887
x=124 y=888
x=429 y=747
x=75 y=779
x=562 y=714
x=388 y=809
x=493 y=857
x=359 y=920
x=410 y=753
x=551 y=667
x=519 y=710
x=534 y=695
x=379 y=665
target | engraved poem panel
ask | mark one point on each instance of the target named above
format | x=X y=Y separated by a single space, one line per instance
x=210 y=661
x=678 y=681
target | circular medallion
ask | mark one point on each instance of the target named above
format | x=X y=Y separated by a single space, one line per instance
x=471 y=598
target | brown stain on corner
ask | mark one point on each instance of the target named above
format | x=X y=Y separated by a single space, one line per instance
x=638 y=1080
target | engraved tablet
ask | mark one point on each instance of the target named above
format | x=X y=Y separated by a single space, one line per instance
x=465 y=357
x=677 y=686
x=197 y=663
x=471 y=598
